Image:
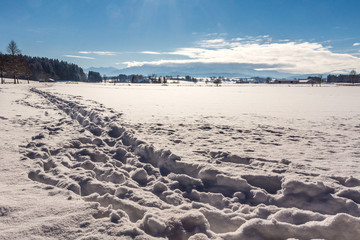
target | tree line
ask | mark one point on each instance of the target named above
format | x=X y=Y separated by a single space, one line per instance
x=343 y=78
x=15 y=65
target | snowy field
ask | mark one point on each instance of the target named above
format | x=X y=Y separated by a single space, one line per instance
x=100 y=161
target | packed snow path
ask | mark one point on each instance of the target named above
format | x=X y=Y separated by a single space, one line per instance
x=155 y=193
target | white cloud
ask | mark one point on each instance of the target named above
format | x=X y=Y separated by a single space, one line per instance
x=282 y=56
x=159 y=62
x=238 y=39
x=73 y=56
x=102 y=53
x=214 y=43
x=356 y=44
x=151 y=52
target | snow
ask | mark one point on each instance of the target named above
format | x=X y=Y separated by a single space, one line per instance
x=96 y=161
x=148 y=101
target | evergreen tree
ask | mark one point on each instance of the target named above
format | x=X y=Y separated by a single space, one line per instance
x=52 y=68
x=94 y=77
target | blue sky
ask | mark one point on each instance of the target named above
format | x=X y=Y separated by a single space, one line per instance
x=297 y=36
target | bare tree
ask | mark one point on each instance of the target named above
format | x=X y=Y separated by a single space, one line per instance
x=24 y=69
x=28 y=72
x=14 y=51
x=320 y=80
x=15 y=67
x=353 y=76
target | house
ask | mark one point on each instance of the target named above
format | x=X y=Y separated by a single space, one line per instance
x=306 y=81
x=241 y=80
x=286 y=81
x=144 y=80
x=311 y=80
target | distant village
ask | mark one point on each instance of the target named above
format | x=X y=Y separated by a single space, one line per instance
x=312 y=80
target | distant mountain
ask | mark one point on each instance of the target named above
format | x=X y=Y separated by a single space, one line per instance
x=304 y=76
x=204 y=70
x=109 y=71
x=196 y=70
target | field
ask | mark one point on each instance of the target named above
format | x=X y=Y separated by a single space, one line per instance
x=180 y=161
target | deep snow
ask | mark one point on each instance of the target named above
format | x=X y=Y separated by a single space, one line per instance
x=178 y=162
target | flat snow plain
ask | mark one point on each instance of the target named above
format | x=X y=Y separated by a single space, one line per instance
x=192 y=161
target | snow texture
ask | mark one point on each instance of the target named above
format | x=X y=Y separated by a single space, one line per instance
x=142 y=190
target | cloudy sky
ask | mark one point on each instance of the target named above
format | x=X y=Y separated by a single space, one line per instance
x=293 y=36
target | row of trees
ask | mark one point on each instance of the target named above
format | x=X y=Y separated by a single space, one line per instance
x=17 y=66
x=12 y=64
x=342 y=78
x=45 y=68
x=134 y=78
